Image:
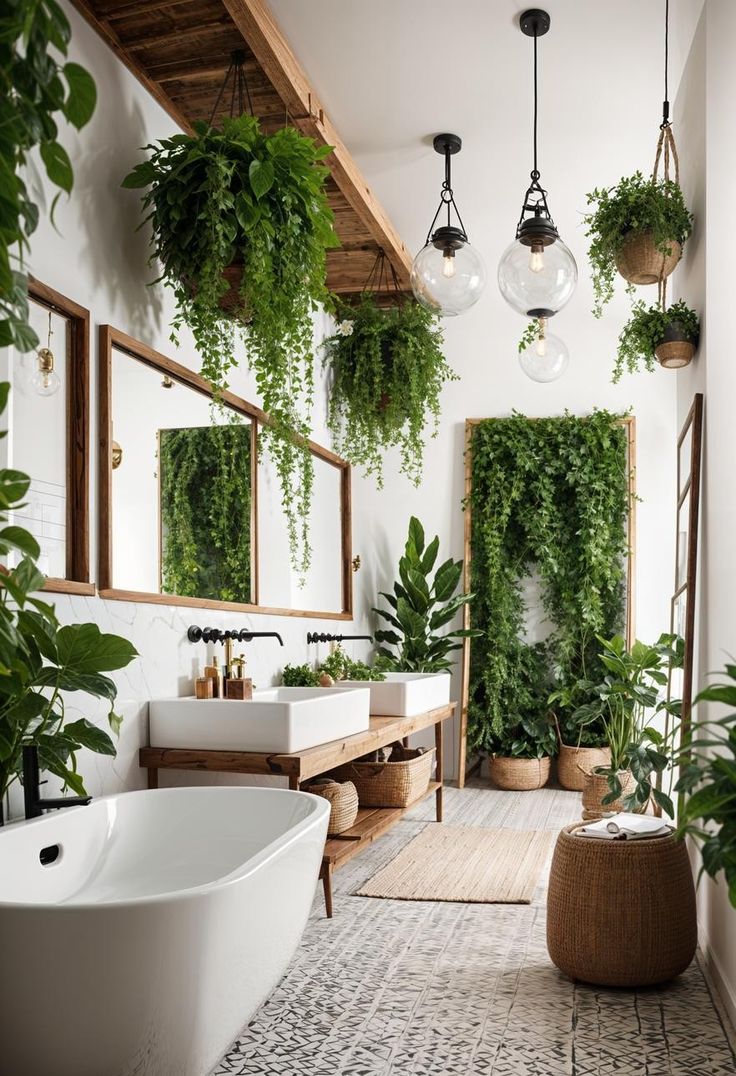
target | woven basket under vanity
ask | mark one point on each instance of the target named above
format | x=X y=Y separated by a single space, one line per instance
x=390 y=784
x=343 y=800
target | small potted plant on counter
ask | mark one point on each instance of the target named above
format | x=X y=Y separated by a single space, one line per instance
x=669 y=336
x=638 y=228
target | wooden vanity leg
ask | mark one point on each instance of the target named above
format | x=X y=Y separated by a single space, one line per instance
x=326 y=873
x=153 y=778
x=293 y=782
x=440 y=768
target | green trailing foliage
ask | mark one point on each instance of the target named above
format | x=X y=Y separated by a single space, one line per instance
x=548 y=495
x=708 y=777
x=419 y=607
x=634 y=204
x=338 y=665
x=40 y=661
x=35 y=91
x=628 y=701
x=206 y=512
x=238 y=197
x=388 y=372
x=645 y=330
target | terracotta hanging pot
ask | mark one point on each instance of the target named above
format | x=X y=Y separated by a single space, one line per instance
x=676 y=349
x=230 y=301
x=640 y=262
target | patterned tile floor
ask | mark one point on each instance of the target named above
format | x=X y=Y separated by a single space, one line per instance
x=401 y=988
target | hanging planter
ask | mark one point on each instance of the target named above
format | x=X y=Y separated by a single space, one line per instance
x=241 y=223
x=388 y=372
x=642 y=261
x=668 y=336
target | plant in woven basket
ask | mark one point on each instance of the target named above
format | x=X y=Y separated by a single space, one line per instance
x=240 y=224
x=419 y=607
x=36 y=90
x=628 y=702
x=531 y=735
x=388 y=372
x=647 y=329
x=635 y=205
x=709 y=773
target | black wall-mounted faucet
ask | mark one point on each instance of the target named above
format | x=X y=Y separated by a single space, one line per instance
x=196 y=634
x=321 y=637
x=34 y=805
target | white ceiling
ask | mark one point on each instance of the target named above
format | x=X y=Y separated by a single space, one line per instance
x=391 y=73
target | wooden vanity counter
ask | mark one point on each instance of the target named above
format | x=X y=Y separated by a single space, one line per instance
x=312 y=762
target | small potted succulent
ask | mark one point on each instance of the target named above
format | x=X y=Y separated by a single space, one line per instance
x=670 y=336
x=638 y=228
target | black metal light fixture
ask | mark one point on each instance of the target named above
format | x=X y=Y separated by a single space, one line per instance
x=537 y=273
x=448 y=275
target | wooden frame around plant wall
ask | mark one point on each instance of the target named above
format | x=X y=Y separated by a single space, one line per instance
x=109 y=338
x=77 y=579
x=629 y=422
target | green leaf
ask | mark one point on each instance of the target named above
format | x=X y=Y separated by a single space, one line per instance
x=90 y=736
x=58 y=165
x=663 y=800
x=83 y=648
x=18 y=538
x=261 y=175
x=80 y=103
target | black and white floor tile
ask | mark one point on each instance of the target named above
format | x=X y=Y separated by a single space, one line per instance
x=401 y=988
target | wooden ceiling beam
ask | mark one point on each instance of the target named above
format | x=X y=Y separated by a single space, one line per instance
x=274 y=54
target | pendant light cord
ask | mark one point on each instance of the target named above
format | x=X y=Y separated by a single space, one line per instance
x=535 y=171
x=666 y=102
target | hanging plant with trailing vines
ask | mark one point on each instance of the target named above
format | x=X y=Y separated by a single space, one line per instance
x=388 y=372
x=552 y=495
x=240 y=224
x=206 y=512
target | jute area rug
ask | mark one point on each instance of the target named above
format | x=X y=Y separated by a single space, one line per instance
x=466 y=864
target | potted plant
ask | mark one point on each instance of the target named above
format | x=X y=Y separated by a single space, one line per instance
x=587 y=749
x=627 y=701
x=419 y=606
x=40 y=661
x=638 y=228
x=520 y=755
x=240 y=225
x=669 y=336
x=388 y=372
x=338 y=666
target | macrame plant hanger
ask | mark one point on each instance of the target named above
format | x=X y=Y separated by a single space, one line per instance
x=240 y=89
x=666 y=154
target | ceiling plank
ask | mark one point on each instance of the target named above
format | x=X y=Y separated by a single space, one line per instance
x=274 y=54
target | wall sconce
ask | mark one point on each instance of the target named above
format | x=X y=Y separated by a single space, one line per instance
x=117 y=455
x=46 y=380
x=166 y=382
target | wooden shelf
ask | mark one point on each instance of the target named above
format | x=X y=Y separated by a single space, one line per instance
x=372 y=822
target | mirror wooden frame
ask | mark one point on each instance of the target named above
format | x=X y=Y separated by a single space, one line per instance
x=77 y=580
x=629 y=422
x=111 y=338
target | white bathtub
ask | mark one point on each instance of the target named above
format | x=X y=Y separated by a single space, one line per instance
x=166 y=920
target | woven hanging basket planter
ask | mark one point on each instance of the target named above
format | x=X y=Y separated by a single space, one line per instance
x=596 y=789
x=676 y=349
x=621 y=913
x=230 y=302
x=519 y=774
x=640 y=262
x=575 y=763
x=343 y=800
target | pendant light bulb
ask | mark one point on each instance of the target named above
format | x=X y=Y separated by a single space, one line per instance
x=45 y=380
x=542 y=338
x=536 y=258
x=546 y=358
x=448 y=264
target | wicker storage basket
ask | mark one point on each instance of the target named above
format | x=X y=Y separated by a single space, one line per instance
x=596 y=789
x=575 y=763
x=639 y=261
x=389 y=784
x=343 y=800
x=518 y=774
x=621 y=913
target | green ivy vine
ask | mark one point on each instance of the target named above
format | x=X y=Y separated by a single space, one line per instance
x=206 y=512
x=549 y=494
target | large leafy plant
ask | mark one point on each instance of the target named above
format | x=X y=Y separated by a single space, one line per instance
x=34 y=90
x=548 y=496
x=254 y=204
x=419 y=607
x=646 y=329
x=40 y=660
x=388 y=372
x=628 y=701
x=634 y=204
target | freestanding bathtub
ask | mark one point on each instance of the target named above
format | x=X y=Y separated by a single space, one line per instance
x=140 y=933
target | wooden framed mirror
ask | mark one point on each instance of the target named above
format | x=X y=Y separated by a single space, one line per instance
x=209 y=529
x=48 y=436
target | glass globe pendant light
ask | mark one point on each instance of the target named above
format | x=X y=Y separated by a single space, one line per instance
x=448 y=275
x=537 y=273
x=546 y=358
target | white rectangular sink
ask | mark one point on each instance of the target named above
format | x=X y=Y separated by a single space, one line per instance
x=405 y=694
x=279 y=719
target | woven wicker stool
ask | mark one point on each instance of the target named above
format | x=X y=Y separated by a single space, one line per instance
x=621 y=913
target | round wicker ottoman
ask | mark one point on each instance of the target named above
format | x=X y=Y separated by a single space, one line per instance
x=621 y=913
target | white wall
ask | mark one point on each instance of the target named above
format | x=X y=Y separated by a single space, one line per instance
x=705 y=133
x=99 y=259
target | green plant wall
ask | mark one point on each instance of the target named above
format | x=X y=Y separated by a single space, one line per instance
x=550 y=494
x=206 y=512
